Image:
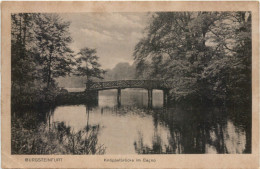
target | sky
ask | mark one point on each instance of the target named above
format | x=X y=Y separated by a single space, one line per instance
x=113 y=35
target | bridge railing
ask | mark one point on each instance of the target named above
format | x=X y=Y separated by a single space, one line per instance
x=153 y=84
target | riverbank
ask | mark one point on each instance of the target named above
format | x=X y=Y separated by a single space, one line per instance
x=42 y=138
x=77 y=98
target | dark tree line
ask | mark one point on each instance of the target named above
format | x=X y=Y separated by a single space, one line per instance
x=40 y=53
x=207 y=54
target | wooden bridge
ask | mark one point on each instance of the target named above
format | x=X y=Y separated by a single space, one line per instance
x=165 y=86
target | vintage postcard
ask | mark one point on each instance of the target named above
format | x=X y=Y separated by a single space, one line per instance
x=130 y=84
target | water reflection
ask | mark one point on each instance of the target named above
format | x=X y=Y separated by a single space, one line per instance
x=194 y=132
x=135 y=129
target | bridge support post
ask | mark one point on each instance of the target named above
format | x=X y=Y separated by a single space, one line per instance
x=119 y=97
x=166 y=97
x=150 y=98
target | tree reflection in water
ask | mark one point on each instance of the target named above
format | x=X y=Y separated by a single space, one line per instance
x=198 y=131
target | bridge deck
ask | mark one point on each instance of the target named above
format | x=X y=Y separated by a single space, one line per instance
x=121 y=84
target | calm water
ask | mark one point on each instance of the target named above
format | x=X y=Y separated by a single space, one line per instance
x=132 y=128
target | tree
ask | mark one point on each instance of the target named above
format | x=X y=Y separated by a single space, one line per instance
x=87 y=64
x=52 y=47
x=229 y=72
x=39 y=54
x=22 y=60
x=207 y=54
x=175 y=48
x=122 y=71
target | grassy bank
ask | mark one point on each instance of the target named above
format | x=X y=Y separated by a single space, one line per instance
x=28 y=138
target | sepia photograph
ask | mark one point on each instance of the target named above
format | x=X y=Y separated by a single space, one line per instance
x=130 y=85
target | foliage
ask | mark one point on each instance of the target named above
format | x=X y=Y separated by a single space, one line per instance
x=52 y=50
x=39 y=53
x=58 y=139
x=122 y=71
x=207 y=54
x=87 y=64
x=23 y=63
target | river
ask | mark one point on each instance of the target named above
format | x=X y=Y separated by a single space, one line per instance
x=133 y=128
